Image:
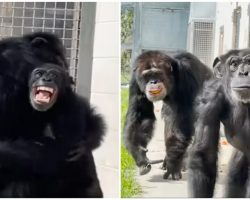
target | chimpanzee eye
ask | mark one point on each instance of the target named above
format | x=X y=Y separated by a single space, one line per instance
x=38 y=74
x=234 y=63
x=247 y=59
x=234 y=67
x=53 y=75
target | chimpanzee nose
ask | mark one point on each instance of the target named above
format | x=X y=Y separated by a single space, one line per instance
x=243 y=73
x=47 y=79
x=153 y=81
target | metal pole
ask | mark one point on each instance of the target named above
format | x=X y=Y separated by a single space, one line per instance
x=87 y=30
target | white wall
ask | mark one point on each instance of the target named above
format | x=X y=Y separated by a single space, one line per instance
x=202 y=10
x=244 y=25
x=104 y=93
x=224 y=17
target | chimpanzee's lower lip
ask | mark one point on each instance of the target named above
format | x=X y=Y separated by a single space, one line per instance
x=41 y=102
x=241 y=87
x=155 y=92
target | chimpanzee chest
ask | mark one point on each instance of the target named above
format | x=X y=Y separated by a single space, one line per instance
x=237 y=130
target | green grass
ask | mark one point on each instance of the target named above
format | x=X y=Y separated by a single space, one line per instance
x=124 y=105
x=129 y=186
x=125 y=77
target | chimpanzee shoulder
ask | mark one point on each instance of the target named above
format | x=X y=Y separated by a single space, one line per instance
x=190 y=75
x=211 y=97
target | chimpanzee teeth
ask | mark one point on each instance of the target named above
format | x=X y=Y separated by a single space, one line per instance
x=43 y=88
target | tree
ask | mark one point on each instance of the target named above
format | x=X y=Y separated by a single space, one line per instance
x=127 y=19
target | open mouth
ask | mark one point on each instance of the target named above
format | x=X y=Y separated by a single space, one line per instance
x=243 y=87
x=43 y=94
x=155 y=92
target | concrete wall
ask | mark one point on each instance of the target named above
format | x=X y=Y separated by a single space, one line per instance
x=104 y=93
x=202 y=10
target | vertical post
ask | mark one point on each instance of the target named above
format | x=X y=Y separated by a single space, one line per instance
x=86 y=43
x=137 y=31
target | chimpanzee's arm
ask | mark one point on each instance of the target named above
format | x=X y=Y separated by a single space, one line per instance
x=203 y=155
x=237 y=185
x=77 y=131
x=78 y=128
x=139 y=126
x=178 y=134
x=27 y=157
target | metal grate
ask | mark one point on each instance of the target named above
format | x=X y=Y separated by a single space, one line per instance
x=61 y=18
x=203 y=41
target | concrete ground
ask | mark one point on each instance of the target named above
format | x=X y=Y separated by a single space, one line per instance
x=153 y=185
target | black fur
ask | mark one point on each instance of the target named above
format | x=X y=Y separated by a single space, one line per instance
x=216 y=104
x=43 y=154
x=18 y=57
x=185 y=74
x=74 y=124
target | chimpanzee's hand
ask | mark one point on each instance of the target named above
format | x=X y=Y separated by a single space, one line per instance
x=50 y=155
x=77 y=151
x=144 y=169
x=164 y=164
x=175 y=174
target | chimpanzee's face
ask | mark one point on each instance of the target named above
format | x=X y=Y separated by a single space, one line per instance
x=154 y=75
x=239 y=75
x=46 y=82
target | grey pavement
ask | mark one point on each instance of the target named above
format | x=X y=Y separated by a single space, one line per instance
x=153 y=185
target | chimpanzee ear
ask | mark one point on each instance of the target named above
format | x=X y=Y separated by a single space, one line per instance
x=135 y=65
x=39 y=42
x=216 y=61
x=174 y=65
x=218 y=67
x=174 y=68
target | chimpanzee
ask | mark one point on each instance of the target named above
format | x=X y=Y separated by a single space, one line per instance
x=33 y=164
x=70 y=120
x=226 y=100
x=176 y=81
